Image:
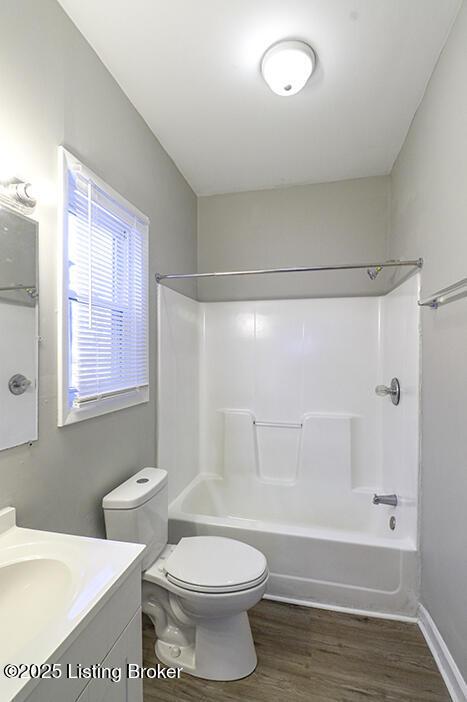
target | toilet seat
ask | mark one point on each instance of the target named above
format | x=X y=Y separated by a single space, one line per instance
x=214 y=564
x=216 y=590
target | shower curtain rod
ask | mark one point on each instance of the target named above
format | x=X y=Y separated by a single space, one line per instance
x=372 y=270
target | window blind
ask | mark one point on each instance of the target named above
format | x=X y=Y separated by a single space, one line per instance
x=107 y=294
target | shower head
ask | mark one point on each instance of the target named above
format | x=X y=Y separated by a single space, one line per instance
x=373 y=272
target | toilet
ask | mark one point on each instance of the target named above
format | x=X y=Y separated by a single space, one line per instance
x=196 y=593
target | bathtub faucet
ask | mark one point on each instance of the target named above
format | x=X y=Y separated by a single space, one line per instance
x=385 y=500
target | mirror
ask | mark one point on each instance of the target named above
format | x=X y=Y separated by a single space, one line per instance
x=18 y=329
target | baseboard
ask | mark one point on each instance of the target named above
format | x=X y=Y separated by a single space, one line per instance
x=452 y=677
x=344 y=610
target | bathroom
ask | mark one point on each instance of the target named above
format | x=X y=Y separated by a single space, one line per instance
x=233 y=295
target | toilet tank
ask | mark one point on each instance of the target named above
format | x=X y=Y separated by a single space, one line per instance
x=137 y=511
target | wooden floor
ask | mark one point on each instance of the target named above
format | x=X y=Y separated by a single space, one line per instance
x=310 y=655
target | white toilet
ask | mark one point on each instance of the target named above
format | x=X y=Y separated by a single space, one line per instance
x=196 y=593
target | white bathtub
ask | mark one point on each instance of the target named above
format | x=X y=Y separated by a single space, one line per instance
x=328 y=550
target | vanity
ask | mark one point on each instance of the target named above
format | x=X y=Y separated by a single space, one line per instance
x=69 y=606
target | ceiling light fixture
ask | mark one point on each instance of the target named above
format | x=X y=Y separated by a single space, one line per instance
x=287 y=66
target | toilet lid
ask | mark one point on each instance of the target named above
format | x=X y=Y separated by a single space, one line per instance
x=214 y=563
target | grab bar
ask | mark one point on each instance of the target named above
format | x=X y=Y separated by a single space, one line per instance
x=385 y=500
x=281 y=425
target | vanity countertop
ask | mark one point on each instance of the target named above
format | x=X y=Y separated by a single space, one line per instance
x=51 y=586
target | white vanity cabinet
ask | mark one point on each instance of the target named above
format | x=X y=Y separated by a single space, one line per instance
x=112 y=639
x=122 y=653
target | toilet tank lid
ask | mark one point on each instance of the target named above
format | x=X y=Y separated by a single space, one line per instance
x=137 y=490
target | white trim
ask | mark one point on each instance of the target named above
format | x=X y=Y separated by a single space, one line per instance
x=343 y=610
x=447 y=666
x=70 y=161
x=66 y=414
x=62 y=317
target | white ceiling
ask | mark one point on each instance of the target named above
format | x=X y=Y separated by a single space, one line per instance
x=191 y=68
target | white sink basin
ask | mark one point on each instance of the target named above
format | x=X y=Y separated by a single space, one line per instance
x=39 y=589
x=49 y=586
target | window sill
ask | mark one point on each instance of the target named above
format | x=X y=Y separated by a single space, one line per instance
x=72 y=415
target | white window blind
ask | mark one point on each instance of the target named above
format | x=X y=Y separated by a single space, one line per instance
x=106 y=293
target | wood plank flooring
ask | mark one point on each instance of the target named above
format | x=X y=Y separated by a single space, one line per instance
x=311 y=655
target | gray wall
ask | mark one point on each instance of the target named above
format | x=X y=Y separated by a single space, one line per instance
x=55 y=90
x=429 y=219
x=302 y=225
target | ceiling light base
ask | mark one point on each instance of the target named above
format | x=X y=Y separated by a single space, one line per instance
x=287 y=66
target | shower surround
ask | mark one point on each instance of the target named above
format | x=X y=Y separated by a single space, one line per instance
x=272 y=433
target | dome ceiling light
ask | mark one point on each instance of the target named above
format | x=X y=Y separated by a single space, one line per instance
x=287 y=66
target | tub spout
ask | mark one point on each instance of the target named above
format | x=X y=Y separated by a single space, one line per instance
x=385 y=500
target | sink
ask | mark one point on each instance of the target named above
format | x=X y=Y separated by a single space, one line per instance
x=33 y=591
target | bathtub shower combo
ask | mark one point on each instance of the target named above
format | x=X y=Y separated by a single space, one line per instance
x=274 y=432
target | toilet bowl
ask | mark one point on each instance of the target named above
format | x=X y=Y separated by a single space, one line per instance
x=196 y=593
x=199 y=610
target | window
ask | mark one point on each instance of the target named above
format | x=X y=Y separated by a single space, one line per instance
x=103 y=353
